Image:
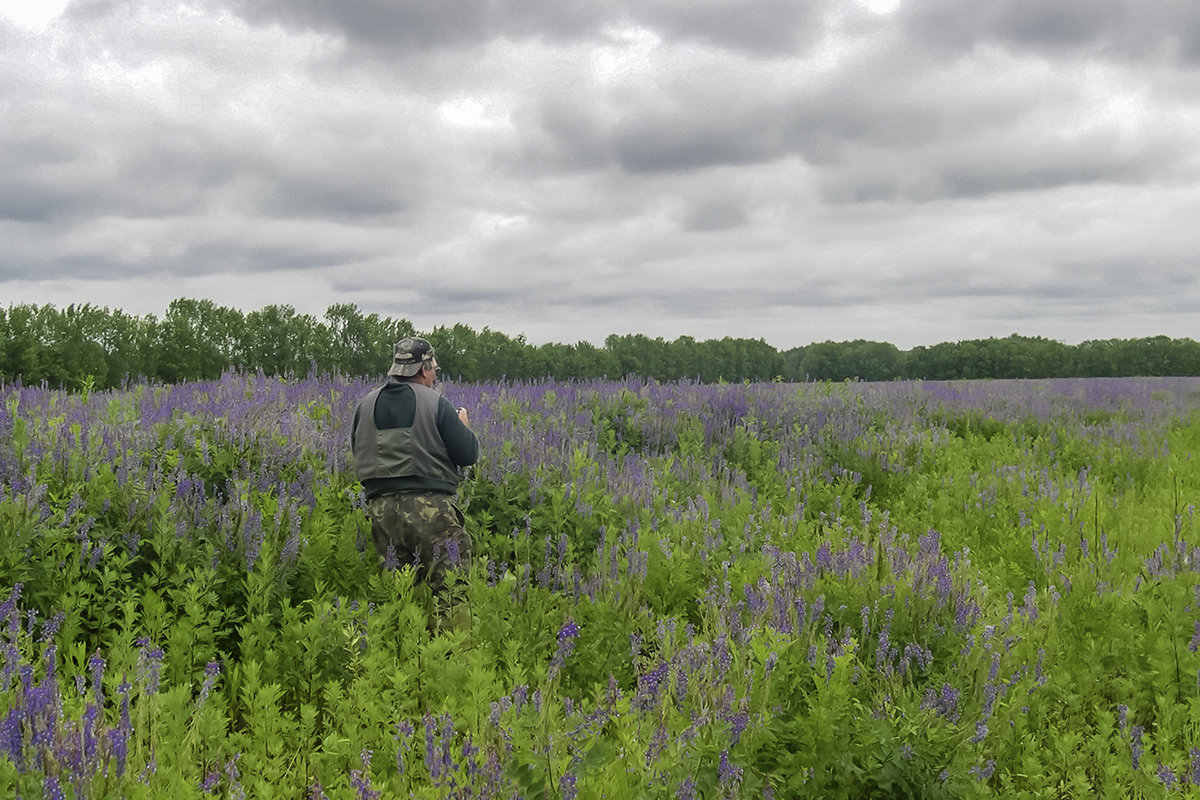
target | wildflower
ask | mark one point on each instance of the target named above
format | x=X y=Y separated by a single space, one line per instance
x=1136 y=746
x=568 y=631
x=210 y=782
x=361 y=779
x=986 y=771
x=51 y=790
x=404 y=730
x=737 y=725
x=649 y=685
x=566 y=644
x=211 y=671
x=50 y=627
x=431 y=759
x=1166 y=776
x=11 y=743
x=945 y=703
x=149 y=665
x=658 y=743
x=729 y=773
x=567 y=785
x=96 y=665
x=1030 y=609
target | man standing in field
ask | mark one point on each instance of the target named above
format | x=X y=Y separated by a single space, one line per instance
x=408 y=443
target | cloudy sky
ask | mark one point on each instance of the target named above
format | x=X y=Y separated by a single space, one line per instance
x=911 y=171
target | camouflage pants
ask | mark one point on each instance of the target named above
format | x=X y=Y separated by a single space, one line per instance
x=422 y=529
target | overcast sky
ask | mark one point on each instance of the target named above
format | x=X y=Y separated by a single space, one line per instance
x=793 y=170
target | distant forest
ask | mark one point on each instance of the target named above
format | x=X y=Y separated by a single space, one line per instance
x=82 y=346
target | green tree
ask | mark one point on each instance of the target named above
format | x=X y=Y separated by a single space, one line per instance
x=356 y=344
x=279 y=341
x=22 y=347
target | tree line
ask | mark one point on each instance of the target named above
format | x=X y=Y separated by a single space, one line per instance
x=83 y=346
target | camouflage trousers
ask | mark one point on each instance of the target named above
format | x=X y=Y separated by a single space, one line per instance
x=422 y=529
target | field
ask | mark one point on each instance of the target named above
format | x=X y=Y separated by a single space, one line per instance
x=911 y=589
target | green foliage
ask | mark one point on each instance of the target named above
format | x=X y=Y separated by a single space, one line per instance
x=83 y=348
x=835 y=590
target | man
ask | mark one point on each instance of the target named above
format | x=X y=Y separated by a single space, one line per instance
x=408 y=443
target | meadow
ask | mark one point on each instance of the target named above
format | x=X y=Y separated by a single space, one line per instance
x=848 y=590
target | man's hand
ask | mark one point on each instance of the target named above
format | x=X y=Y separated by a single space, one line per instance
x=462 y=415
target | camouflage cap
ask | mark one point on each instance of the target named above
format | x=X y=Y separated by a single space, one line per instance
x=411 y=354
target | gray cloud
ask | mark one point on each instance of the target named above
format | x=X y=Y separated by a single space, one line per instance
x=794 y=171
x=770 y=26
x=1124 y=29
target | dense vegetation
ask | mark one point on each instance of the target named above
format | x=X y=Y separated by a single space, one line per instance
x=907 y=589
x=82 y=345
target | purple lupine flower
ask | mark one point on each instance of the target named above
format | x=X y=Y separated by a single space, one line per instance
x=1195 y=642
x=945 y=703
x=737 y=726
x=211 y=671
x=1136 y=746
x=9 y=607
x=1030 y=608
x=723 y=655
x=1122 y=716
x=658 y=743
x=121 y=734
x=729 y=773
x=51 y=790
x=233 y=778
x=986 y=771
x=1166 y=776
x=687 y=790
x=50 y=627
x=521 y=696
x=361 y=779
x=149 y=666
x=210 y=781
x=981 y=732
x=447 y=740
x=118 y=742
x=649 y=686
x=291 y=548
x=96 y=665
x=316 y=792
x=566 y=785
x=90 y=714
x=1193 y=773
x=568 y=631
x=11 y=743
x=431 y=760
x=404 y=731
x=390 y=562
x=497 y=708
